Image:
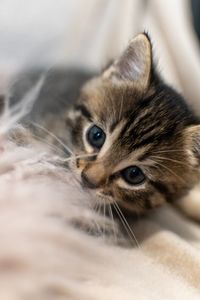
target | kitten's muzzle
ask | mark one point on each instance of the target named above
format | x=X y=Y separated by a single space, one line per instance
x=94 y=176
x=87 y=182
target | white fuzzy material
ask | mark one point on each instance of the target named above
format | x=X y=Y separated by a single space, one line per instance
x=43 y=256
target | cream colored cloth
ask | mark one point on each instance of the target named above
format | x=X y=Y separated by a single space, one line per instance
x=43 y=257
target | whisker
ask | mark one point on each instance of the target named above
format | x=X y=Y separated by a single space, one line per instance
x=125 y=224
x=170 y=151
x=62 y=144
x=78 y=156
x=114 y=111
x=50 y=145
x=104 y=215
x=170 y=159
x=62 y=160
x=169 y=170
x=155 y=166
x=113 y=222
x=121 y=106
x=97 y=208
x=54 y=136
x=84 y=155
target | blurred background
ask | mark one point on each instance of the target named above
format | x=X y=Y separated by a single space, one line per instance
x=88 y=33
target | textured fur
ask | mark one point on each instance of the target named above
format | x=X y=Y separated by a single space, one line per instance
x=147 y=125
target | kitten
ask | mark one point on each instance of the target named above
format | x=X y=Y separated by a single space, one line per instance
x=139 y=141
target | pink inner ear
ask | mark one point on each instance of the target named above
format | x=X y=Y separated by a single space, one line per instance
x=131 y=65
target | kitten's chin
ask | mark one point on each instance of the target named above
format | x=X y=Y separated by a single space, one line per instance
x=104 y=199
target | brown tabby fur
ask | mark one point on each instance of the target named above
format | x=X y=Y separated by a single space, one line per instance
x=147 y=124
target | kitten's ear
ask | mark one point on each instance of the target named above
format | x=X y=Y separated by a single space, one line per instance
x=135 y=63
x=192 y=140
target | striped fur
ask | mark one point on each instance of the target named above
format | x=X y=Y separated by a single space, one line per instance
x=147 y=124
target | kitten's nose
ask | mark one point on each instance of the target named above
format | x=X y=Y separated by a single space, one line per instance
x=87 y=182
x=94 y=176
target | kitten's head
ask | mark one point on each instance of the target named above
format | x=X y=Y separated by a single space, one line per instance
x=139 y=142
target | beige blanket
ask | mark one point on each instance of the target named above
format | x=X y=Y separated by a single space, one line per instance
x=43 y=257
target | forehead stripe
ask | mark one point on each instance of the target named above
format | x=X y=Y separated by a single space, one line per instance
x=154 y=138
x=131 y=116
x=85 y=112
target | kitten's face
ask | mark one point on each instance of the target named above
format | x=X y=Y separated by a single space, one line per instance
x=137 y=138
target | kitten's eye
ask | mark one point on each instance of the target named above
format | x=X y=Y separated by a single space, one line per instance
x=96 y=137
x=133 y=175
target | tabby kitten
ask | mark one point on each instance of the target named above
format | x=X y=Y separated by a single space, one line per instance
x=137 y=140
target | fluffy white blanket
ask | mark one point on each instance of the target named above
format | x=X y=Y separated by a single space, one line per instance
x=43 y=257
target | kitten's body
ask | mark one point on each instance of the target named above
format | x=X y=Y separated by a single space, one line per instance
x=147 y=125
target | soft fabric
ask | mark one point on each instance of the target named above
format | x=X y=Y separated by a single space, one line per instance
x=41 y=255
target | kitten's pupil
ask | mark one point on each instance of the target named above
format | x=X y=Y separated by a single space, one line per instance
x=96 y=137
x=133 y=175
